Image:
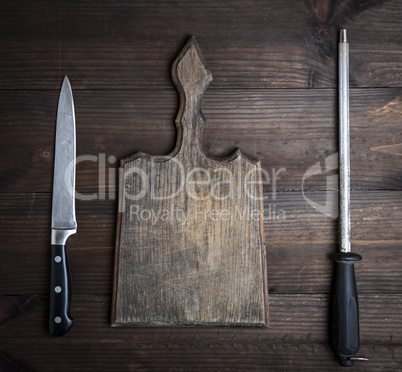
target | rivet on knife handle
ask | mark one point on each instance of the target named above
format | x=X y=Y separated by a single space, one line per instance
x=63 y=214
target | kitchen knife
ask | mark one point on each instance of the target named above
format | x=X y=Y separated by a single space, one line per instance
x=63 y=214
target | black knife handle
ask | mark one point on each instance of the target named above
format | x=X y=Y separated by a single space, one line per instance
x=60 y=320
x=345 y=308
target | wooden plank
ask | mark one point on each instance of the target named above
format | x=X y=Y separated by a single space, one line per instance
x=298 y=247
x=209 y=356
x=297 y=337
x=285 y=129
x=295 y=318
x=250 y=44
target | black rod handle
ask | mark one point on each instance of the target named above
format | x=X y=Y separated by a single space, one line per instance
x=345 y=308
x=60 y=320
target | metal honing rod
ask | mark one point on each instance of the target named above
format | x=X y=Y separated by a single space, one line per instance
x=345 y=309
x=344 y=142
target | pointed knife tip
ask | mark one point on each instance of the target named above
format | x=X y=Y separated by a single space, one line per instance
x=66 y=87
x=66 y=82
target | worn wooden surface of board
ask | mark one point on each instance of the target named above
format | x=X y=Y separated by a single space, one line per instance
x=273 y=96
x=190 y=246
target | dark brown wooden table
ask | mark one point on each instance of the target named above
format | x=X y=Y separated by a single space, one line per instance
x=274 y=95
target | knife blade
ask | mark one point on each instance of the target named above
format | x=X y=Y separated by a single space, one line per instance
x=64 y=222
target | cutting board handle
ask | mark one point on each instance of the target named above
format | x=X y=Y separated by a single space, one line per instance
x=191 y=78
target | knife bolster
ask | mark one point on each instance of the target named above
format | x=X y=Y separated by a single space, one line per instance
x=60 y=236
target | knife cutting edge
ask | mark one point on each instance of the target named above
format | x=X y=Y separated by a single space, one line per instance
x=63 y=213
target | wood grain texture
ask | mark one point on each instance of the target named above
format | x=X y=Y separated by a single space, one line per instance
x=298 y=247
x=273 y=96
x=295 y=340
x=190 y=244
x=188 y=355
x=296 y=318
x=260 y=44
x=284 y=129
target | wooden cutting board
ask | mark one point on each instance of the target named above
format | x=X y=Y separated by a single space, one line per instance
x=190 y=244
